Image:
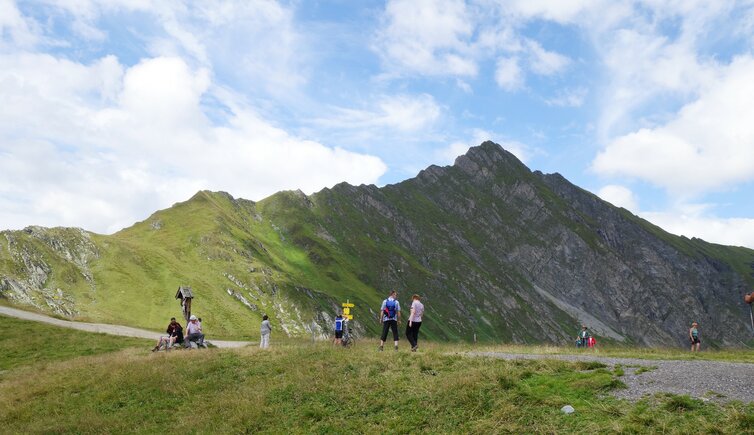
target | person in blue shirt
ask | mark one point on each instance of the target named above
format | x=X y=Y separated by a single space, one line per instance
x=339 y=325
x=390 y=317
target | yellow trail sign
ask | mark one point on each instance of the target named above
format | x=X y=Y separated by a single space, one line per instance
x=347 y=310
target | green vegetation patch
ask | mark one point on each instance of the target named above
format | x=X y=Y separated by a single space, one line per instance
x=299 y=387
x=25 y=342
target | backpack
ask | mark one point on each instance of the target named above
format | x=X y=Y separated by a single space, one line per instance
x=390 y=305
x=338 y=323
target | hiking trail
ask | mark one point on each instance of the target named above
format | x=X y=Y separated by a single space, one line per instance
x=123 y=331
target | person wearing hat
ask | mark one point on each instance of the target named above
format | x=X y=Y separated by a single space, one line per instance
x=694 y=337
x=194 y=332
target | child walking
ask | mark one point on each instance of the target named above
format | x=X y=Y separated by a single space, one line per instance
x=264 y=343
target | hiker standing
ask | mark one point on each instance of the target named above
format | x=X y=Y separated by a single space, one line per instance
x=265 y=330
x=339 y=326
x=584 y=336
x=694 y=337
x=414 y=322
x=390 y=316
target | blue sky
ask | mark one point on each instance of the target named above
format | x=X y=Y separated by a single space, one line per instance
x=110 y=110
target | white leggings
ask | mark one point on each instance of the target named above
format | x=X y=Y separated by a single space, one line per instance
x=264 y=343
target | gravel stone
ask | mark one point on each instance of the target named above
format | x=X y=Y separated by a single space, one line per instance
x=717 y=381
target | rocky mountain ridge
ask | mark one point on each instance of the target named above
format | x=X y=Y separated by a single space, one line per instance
x=498 y=251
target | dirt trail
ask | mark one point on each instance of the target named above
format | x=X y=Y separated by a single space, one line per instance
x=124 y=331
x=707 y=380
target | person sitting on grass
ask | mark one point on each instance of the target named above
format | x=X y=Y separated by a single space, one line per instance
x=694 y=337
x=339 y=323
x=194 y=332
x=175 y=335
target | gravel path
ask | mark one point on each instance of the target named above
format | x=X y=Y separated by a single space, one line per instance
x=123 y=331
x=707 y=380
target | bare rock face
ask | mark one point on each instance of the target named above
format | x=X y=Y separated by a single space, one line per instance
x=530 y=257
x=33 y=281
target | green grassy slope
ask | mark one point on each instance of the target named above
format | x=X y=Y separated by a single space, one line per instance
x=297 y=387
x=25 y=343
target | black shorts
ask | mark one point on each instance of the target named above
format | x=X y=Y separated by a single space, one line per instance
x=695 y=340
x=338 y=334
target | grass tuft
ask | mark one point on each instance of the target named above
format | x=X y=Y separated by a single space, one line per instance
x=682 y=403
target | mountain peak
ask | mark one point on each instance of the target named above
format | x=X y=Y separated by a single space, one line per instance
x=489 y=156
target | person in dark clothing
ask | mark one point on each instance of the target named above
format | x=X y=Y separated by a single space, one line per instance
x=175 y=335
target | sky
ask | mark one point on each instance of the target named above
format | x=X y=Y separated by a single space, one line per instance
x=111 y=110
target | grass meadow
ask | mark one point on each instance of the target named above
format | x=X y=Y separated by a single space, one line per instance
x=62 y=381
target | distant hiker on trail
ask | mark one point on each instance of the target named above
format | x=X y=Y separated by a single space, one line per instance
x=414 y=322
x=390 y=316
x=175 y=335
x=194 y=332
x=694 y=337
x=584 y=337
x=265 y=330
x=339 y=325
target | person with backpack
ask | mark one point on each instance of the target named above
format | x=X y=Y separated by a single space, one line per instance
x=265 y=330
x=694 y=337
x=390 y=316
x=414 y=322
x=339 y=325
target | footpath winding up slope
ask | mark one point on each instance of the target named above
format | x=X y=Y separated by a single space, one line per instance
x=124 y=331
x=706 y=380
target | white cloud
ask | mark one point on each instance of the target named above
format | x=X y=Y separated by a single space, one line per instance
x=447 y=155
x=405 y=113
x=427 y=37
x=453 y=37
x=545 y=62
x=465 y=87
x=619 y=196
x=568 y=98
x=256 y=43
x=508 y=74
x=15 y=29
x=562 y=11
x=708 y=145
x=102 y=145
x=725 y=231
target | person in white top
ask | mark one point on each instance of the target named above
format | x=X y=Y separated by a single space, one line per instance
x=194 y=332
x=414 y=322
x=265 y=330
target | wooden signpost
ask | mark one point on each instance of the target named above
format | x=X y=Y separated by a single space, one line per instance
x=185 y=295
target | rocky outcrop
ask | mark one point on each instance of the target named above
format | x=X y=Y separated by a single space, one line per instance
x=34 y=281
